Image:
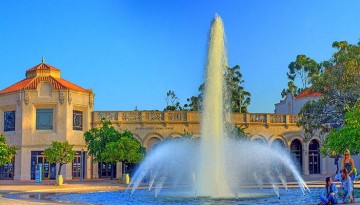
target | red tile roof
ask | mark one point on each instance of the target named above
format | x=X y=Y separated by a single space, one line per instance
x=31 y=83
x=308 y=93
x=43 y=66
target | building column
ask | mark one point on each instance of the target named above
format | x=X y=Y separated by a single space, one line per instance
x=68 y=171
x=95 y=170
x=17 y=165
x=119 y=170
x=22 y=164
x=305 y=158
x=88 y=166
x=323 y=167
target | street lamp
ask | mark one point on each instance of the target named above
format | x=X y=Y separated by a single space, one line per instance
x=82 y=165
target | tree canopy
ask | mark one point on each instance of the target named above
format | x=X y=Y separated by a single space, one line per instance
x=60 y=152
x=338 y=81
x=302 y=69
x=238 y=98
x=106 y=144
x=346 y=137
x=7 y=152
x=172 y=102
x=126 y=149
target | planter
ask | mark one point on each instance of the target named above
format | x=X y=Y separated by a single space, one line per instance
x=59 y=180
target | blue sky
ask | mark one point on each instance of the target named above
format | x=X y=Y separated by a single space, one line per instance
x=132 y=52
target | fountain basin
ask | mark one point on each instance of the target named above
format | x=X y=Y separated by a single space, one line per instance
x=186 y=197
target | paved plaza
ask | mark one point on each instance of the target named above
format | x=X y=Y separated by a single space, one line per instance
x=34 y=193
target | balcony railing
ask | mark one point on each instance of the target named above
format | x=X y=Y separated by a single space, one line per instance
x=124 y=117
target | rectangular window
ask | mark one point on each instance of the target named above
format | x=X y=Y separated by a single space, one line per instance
x=9 y=121
x=77 y=120
x=44 y=119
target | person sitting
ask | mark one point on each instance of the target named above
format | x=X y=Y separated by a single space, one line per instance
x=346 y=187
x=338 y=176
x=328 y=196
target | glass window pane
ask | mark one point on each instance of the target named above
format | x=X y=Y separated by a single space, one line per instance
x=9 y=121
x=77 y=120
x=44 y=119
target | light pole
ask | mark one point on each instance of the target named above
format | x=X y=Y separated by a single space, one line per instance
x=82 y=165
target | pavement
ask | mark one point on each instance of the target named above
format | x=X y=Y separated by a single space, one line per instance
x=29 y=192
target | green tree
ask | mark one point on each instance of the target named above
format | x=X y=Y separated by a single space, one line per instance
x=303 y=69
x=172 y=102
x=60 y=152
x=346 y=137
x=97 y=138
x=238 y=98
x=7 y=152
x=236 y=132
x=292 y=88
x=339 y=83
x=108 y=145
x=126 y=149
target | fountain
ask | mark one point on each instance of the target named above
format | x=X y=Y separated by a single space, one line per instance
x=212 y=169
x=215 y=166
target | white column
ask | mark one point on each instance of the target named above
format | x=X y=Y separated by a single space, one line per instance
x=305 y=156
x=88 y=165
x=323 y=165
x=119 y=170
x=67 y=171
x=95 y=170
x=23 y=164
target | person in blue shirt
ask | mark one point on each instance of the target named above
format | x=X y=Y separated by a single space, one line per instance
x=328 y=195
x=346 y=188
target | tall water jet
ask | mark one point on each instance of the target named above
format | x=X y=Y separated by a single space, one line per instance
x=217 y=167
x=211 y=179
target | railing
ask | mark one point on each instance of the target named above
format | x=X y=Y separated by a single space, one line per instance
x=191 y=117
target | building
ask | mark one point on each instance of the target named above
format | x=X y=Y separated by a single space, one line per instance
x=40 y=109
x=292 y=104
x=44 y=107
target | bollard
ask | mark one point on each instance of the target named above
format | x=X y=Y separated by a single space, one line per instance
x=126 y=178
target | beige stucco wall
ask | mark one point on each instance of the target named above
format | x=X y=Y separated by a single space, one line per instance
x=151 y=127
x=27 y=138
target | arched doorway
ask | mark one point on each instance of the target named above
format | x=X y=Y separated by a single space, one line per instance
x=278 y=144
x=278 y=167
x=259 y=140
x=296 y=151
x=314 y=157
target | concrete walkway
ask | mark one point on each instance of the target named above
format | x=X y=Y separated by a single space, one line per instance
x=34 y=193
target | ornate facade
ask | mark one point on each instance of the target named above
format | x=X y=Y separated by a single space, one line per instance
x=150 y=127
x=44 y=107
x=40 y=109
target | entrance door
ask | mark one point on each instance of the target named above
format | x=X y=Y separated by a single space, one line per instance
x=76 y=167
x=7 y=171
x=48 y=170
x=105 y=170
x=78 y=164
x=314 y=157
x=314 y=167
